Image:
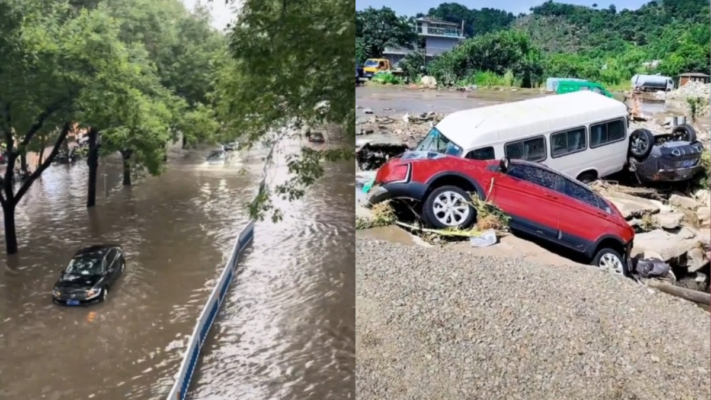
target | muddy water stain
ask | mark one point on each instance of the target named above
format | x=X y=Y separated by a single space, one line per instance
x=177 y=231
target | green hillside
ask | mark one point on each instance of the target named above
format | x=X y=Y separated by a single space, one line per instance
x=557 y=39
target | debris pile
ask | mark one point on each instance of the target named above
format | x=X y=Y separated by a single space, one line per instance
x=676 y=228
x=677 y=99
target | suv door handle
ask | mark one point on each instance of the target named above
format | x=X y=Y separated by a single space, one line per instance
x=550 y=196
x=602 y=214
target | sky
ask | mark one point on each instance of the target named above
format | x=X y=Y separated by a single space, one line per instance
x=222 y=14
x=410 y=8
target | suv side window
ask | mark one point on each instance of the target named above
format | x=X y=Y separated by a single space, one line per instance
x=537 y=176
x=485 y=153
x=607 y=132
x=580 y=193
x=533 y=149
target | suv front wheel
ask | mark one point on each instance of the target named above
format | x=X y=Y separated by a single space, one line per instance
x=449 y=207
x=610 y=260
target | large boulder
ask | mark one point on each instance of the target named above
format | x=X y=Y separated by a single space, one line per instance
x=681 y=201
x=429 y=81
x=632 y=206
x=703 y=214
x=669 y=221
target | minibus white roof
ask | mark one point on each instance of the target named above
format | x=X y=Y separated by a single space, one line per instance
x=469 y=128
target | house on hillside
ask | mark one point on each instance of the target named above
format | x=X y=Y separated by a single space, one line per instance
x=437 y=37
x=693 y=77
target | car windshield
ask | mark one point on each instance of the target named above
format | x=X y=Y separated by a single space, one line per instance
x=371 y=63
x=215 y=155
x=437 y=142
x=84 y=266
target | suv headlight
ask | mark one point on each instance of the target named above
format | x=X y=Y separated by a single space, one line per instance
x=91 y=293
x=56 y=292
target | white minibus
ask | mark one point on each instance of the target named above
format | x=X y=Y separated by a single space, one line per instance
x=581 y=134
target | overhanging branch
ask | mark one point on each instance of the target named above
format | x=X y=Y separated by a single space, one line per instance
x=45 y=164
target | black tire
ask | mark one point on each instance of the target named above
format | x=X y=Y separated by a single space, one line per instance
x=686 y=130
x=429 y=214
x=641 y=143
x=587 y=178
x=606 y=251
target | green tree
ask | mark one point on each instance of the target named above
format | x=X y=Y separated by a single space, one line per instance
x=290 y=66
x=55 y=64
x=381 y=28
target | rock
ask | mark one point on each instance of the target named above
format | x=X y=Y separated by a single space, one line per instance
x=429 y=81
x=633 y=207
x=696 y=259
x=703 y=196
x=704 y=216
x=367 y=110
x=671 y=247
x=686 y=233
x=683 y=202
x=669 y=221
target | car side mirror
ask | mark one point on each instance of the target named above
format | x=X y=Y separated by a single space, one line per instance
x=504 y=164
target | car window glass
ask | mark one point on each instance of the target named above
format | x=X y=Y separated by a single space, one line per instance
x=580 y=193
x=615 y=130
x=486 y=153
x=543 y=177
x=572 y=141
x=537 y=176
x=607 y=132
x=528 y=150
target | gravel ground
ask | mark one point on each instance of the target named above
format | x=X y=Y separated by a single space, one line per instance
x=436 y=324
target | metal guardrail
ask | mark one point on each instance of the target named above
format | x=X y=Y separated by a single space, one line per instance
x=207 y=317
x=212 y=307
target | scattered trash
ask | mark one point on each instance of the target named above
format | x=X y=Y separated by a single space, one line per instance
x=486 y=239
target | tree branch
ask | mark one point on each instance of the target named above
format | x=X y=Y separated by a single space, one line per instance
x=40 y=122
x=45 y=164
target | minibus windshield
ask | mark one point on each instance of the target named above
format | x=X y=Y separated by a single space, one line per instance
x=437 y=142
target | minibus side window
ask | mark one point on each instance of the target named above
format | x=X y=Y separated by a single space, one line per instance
x=607 y=132
x=533 y=149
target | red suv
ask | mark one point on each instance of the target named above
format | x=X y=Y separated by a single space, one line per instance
x=540 y=201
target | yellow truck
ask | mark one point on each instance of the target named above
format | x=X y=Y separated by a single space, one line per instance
x=374 y=65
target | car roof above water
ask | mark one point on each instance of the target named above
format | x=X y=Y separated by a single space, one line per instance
x=96 y=250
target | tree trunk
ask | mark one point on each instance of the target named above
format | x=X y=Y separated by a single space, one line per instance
x=41 y=154
x=93 y=162
x=126 y=154
x=10 y=231
x=23 y=162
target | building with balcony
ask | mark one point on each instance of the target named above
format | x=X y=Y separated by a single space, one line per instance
x=435 y=38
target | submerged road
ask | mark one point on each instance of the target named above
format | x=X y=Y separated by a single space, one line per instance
x=286 y=329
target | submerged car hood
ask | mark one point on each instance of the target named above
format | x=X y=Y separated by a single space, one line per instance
x=77 y=281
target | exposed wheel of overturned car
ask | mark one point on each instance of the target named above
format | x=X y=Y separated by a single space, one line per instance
x=641 y=143
x=610 y=260
x=684 y=132
x=448 y=207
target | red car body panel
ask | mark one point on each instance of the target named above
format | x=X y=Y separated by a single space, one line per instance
x=549 y=213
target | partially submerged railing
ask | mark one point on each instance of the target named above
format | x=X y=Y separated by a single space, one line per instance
x=214 y=302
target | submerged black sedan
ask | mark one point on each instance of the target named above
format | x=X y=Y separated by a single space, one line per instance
x=90 y=275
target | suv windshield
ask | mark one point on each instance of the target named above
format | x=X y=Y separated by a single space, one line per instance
x=371 y=63
x=84 y=266
x=437 y=142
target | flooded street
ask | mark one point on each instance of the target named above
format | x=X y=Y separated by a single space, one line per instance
x=286 y=329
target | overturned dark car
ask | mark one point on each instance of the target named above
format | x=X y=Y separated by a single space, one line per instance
x=667 y=157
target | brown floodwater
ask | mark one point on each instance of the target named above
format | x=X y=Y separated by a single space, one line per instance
x=286 y=329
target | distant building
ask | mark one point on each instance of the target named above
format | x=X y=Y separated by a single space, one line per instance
x=693 y=77
x=438 y=36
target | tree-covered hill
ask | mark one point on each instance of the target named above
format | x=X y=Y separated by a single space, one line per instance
x=557 y=39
